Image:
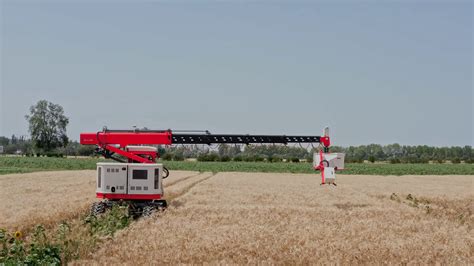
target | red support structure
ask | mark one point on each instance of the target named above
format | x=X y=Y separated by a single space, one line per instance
x=128 y=154
x=126 y=138
x=117 y=141
x=108 y=140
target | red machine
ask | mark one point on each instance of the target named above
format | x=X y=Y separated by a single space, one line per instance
x=137 y=178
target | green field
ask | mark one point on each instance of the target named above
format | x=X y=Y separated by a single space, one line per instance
x=9 y=165
x=30 y=164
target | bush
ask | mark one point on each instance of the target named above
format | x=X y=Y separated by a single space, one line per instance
x=354 y=159
x=413 y=159
x=202 y=158
x=213 y=157
x=456 y=160
x=237 y=158
x=276 y=160
x=394 y=160
x=224 y=158
x=109 y=223
x=209 y=157
x=259 y=159
x=86 y=150
x=424 y=160
x=178 y=157
x=41 y=250
x=248 y=158
x=54 y=154
x=371 y=159
x=167 y=156
x=293 y=160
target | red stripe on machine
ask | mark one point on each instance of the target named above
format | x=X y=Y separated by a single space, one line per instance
x=128 y=196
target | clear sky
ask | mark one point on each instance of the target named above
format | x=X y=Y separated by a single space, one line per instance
x=375 y=73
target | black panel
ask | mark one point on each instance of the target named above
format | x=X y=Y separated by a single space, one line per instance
x=139 y=174
x=240 y=139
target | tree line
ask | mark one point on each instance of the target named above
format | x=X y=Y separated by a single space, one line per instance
x=26 y=147
x=394 y=153
x=47 y=127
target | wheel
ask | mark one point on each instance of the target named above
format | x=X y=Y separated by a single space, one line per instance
x=166 y=173
x=133 y=211
x=161 y=204
x=327 y=163
x=148 y=211
x=97 y=208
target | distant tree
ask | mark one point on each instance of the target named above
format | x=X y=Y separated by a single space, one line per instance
x=14 y=140
x=467 y=153
x=85 y=150
x=4 y=141
x=72 y=148
x=47 y=125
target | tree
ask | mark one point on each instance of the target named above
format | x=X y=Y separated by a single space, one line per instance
x=14 y=139
x=4 y=141
x=47 y=125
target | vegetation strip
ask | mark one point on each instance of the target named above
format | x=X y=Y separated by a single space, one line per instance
x=351 y=169
x=31 y=164
x=67 y=241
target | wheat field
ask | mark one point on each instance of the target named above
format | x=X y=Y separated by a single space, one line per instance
x=268 y=218
x=48 y=197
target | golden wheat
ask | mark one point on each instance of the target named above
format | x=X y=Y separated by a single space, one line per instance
x=265 y=218
x=50 y=197
x=290 y=219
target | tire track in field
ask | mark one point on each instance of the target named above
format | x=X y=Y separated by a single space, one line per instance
x=181 y=180
x=173 y=195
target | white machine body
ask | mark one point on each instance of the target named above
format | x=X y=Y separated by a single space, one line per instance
x=335 y=160
x=329 y=175
x=135 y=181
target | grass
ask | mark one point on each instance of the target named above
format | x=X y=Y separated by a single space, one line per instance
x=351 y=169
x=10 y=165
x=69 y=241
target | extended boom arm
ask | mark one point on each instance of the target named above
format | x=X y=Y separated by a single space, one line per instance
x=117 y=141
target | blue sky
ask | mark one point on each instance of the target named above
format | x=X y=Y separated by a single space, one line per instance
x=375 y=73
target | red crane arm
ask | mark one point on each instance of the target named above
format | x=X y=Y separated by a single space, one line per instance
x=126 y=138
x=107 y=141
